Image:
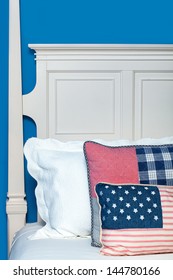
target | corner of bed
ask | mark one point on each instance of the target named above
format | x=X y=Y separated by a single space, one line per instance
x=86 y=91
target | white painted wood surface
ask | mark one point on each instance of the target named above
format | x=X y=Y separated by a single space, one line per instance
x=16 y=204
x=102 y=91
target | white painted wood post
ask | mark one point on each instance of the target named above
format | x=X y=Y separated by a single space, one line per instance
x=16 y=204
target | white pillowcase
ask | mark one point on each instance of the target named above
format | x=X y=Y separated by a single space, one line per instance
x=62 y=191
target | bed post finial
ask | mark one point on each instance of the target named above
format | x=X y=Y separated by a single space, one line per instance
x=16 y=204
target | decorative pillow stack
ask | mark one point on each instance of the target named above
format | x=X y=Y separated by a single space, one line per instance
x=69 y=207
x=136 y=219
x=121 y=165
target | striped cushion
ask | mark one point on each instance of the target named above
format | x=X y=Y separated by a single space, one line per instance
x=136 y=219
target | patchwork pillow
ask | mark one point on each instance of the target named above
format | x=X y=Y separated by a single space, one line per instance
x=148 y=164
x=135 y=219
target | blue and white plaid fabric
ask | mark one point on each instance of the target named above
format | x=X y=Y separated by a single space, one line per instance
x=155 y=164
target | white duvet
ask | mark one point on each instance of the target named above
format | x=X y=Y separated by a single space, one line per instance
x=63 y=249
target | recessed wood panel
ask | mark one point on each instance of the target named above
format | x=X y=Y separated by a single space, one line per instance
x=84 y=104
x=153 y=106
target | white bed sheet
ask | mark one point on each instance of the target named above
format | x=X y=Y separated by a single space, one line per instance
x=63 y=249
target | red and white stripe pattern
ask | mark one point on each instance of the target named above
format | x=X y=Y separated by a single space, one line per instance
x=135 y=241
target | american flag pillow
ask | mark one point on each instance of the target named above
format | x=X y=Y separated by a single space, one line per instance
x=135 y=219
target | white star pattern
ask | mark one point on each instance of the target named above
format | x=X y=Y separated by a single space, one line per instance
x=156 y=218
x=128 y=217
x=141 y=205
x=142 y=217
x=114 y=205
x=127 y=205
x=132 y=206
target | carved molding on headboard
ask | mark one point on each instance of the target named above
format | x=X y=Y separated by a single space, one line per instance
x=103 y=51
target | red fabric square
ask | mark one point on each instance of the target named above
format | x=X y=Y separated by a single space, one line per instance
x=110 y=164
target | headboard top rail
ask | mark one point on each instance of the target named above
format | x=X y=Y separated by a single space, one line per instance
x=104 y=51
x=114 y=47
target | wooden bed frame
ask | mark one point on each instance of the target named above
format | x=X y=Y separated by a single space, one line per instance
x=85 y=92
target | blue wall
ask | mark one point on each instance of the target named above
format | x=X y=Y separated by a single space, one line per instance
x=67 y=21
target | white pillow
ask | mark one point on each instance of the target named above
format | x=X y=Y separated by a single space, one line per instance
x=65 y=190
x=62 y=191
x=32 y=148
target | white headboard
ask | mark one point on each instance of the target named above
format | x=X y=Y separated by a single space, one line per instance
x=105 y=91
x=85 y=92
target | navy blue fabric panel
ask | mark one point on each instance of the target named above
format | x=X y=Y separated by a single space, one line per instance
x=129 y=206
